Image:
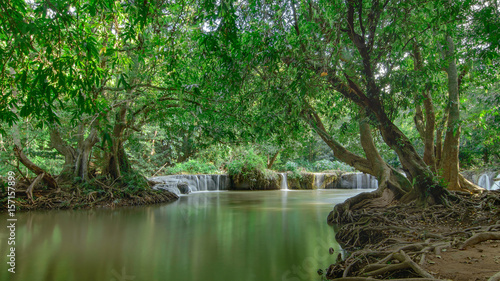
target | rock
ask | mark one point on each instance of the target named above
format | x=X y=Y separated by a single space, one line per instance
x=301 y=180
x=183 y=187
x=168 y=187
x=256 y=180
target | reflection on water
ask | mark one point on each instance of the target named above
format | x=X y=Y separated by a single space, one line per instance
x=258 y=235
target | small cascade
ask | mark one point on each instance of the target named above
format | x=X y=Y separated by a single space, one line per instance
x=373 y=182
x=484 y=182
x=197 y=183
x=284 y=182
x=206 y=184
x=319 y=179
x=496 y=183
x=359 y=180
x=217 y=184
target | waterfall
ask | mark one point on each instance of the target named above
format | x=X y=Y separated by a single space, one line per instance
x=484 y=182
x=319 y=179
x=206 y=183
x=284 y=183
x=217 y=183
x=197 y=183
x=496 y=183
x=373 y=182
x=359 y=180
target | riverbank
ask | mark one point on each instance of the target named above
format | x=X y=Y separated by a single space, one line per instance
x=86 y=197
x=458 y=242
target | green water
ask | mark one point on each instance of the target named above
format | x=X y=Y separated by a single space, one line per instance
x=248 y=236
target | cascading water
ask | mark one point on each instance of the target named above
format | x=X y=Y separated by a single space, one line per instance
x=218 y=182
x=284 y=183
x=197 y=183
x=319 y=179
x=484 y=181
x=496 y=183
x=359 y=180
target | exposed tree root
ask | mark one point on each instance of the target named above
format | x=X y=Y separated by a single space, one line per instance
x=480 y=237
x=393 y=242
x=495 y=277
x=101 y=194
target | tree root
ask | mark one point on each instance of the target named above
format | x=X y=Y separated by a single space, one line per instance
x=495 y=277
x=480 y=237
x=393 y=242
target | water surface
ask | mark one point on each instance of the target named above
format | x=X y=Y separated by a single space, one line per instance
x=209 y=236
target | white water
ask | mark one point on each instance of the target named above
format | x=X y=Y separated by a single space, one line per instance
x=484 y=182
x=496 y=183
x=284 y=182
x=359 y=180
x=319 y=179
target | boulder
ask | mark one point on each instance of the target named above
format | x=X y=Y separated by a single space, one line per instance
x=183 y=187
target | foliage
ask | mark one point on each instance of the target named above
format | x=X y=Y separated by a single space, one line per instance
x=246 y=163
x=324 y=165
x=192 y=167
x=291 y=166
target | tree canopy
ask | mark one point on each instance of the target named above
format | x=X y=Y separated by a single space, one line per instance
x=392 y=88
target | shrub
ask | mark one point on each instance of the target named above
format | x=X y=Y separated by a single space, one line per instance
x=192 y=167
x=291 y=166
x=325 y=165
x=246 y=163
x=248 y=171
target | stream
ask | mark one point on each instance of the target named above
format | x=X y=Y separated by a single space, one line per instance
x=218 y=235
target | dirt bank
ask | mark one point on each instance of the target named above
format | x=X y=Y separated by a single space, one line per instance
x=404 y=242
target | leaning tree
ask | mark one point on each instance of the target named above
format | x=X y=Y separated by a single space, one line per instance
x=377 y=61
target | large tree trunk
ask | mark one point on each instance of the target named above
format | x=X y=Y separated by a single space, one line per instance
x=67 y=151
x=392 y=184
x=116 y=161
x=84 y=150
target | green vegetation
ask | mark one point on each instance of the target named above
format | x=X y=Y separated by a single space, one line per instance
x=192 y=167
x=106 y=93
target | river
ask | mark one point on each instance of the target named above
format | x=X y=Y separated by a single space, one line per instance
x=247 y=236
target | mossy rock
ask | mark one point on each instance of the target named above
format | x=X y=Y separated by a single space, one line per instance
x=255 y=180
x=330 y=180
x=301 y=181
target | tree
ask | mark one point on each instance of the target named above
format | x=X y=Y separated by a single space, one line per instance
x=304 y=53
x=92 y=70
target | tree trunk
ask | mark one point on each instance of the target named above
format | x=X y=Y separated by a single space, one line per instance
x=270 y=162
x=392 y=184
x=67 y=151
x=449 y=163
x=83 y=153
x=116 y=158
x=430 y=124
x=47 y=177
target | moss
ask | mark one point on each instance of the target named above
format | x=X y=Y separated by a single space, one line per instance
x=304 y=181
x=255 y=180
x=329 y=181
